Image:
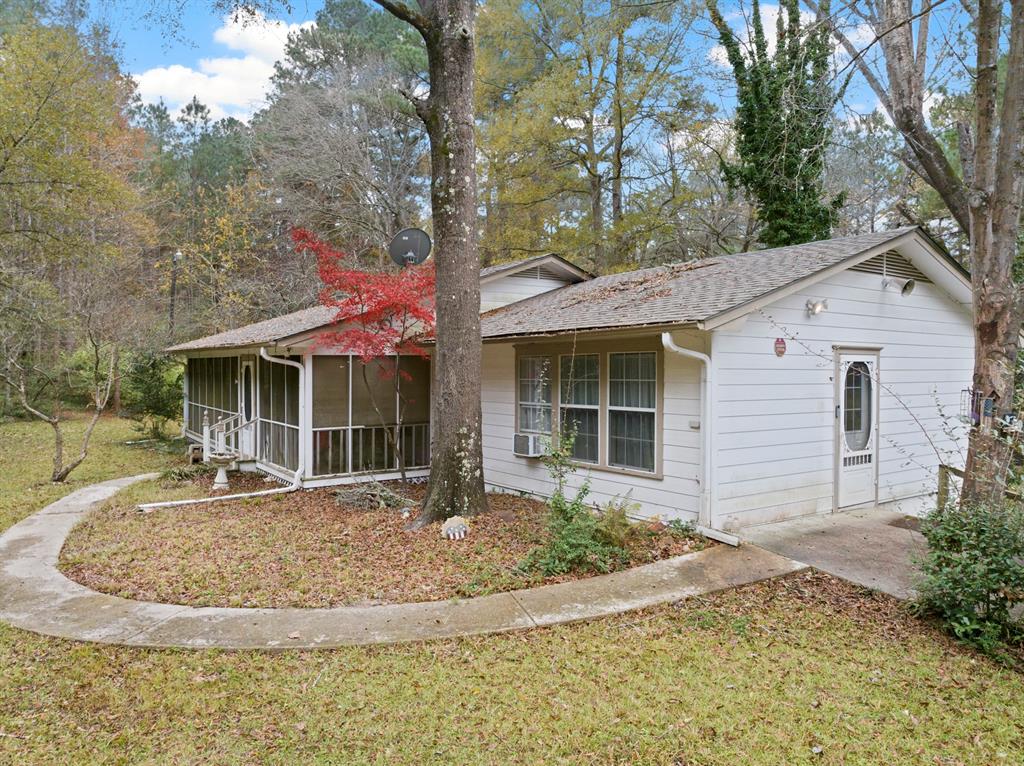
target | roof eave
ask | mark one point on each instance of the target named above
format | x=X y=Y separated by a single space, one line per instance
x=732 y=314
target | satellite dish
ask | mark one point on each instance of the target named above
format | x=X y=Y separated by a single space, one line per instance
x=409 y=247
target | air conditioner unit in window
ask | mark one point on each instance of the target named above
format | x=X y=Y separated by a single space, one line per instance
x=528 y=445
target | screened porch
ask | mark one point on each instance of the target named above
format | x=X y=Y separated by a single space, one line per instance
x=349 y=425
x=356 y=409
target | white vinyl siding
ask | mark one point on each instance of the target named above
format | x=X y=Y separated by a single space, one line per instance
x=505 y=290
x=675 y=496
x=775 y=416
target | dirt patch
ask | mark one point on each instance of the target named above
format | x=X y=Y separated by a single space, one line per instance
x=304 y=549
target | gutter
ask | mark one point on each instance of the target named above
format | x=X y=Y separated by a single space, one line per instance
x=704 y=512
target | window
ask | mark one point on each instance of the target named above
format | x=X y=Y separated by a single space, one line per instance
x=535 y=394
x=632 y=401
x=579 y=403
x=857 y=406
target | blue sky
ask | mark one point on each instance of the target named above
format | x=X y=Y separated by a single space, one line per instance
x=226 y=64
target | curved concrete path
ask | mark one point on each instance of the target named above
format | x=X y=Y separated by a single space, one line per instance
x=35 y=596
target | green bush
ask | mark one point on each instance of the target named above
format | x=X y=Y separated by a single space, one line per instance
x=973 y=572
x=613 y=524
x=576 y=542
x=152 y=392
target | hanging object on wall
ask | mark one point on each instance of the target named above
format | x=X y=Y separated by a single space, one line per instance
x=780 y=347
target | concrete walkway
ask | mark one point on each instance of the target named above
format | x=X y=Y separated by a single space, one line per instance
x=871 y=547
x=35 y=596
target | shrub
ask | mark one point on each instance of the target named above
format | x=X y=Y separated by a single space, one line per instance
x=973 y=572
x=613 y=525
x=576 y=543
x=152 y=391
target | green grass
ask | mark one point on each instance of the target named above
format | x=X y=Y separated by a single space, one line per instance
x=762 y=675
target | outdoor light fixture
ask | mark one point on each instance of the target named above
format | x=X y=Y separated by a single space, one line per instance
x=905 y=286
x=816 y=307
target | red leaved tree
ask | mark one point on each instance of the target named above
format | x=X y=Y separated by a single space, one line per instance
x=381 y=315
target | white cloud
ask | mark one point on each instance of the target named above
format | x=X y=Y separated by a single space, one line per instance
x=231 y=86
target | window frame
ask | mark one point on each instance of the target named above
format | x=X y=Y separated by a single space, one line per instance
x=602 y=348
x=653 y=411
x=551 y=403
x=563 y=406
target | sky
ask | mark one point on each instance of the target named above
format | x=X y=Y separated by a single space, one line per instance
x=226 y=64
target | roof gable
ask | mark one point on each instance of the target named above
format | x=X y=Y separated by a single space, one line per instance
x=706 y=293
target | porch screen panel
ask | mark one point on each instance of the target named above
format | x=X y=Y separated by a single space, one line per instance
x=330 y=415
x=279 y=421
x=415 y=402
x=378 y=388
x=213 y=388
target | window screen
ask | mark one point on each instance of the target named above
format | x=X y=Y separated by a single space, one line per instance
x=535 y=394
x=579 y=402
x=415 y=389
x=330 y=391
x=632 y=397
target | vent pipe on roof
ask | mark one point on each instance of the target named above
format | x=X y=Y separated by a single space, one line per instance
x=704 y=513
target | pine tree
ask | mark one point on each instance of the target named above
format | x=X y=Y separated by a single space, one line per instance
x=783 y=124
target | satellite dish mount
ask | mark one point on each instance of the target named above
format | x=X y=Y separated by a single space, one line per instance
x=409 y=247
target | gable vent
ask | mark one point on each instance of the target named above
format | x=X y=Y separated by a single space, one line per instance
x=538 y=272
x=891 y=264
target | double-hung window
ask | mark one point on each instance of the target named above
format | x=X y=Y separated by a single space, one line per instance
x=632 y=410
x=579 y=404
x=535 y=394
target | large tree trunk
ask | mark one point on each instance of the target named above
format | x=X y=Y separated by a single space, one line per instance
x=456 y=475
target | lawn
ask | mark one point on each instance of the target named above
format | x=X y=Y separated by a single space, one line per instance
x=801 y=670
x=311 y=549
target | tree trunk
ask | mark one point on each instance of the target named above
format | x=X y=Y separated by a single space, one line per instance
x=456 y=483
x=996 y=186
x=618 y=147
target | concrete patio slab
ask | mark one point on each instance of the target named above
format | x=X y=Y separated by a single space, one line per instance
x=35 y=596
x=870 y=547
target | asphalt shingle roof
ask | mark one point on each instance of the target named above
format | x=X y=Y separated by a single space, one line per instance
x=676 y=294
x=267 y=331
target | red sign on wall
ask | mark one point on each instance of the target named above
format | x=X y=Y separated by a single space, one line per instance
x=780 y=346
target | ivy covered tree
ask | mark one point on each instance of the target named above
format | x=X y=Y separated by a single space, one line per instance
x=784 y=102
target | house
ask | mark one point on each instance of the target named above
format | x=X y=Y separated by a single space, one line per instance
x=736 y=390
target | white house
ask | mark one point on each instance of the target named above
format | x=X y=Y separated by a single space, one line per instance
x=735 y=390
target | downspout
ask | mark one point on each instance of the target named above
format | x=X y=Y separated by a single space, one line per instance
x=302 y=399
x=296 y=480
x=704 y=512
x=296 y=484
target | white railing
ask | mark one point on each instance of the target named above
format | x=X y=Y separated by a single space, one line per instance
x=365 y=449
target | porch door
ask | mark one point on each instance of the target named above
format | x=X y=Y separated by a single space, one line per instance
x=856 y=429
x=247 y=409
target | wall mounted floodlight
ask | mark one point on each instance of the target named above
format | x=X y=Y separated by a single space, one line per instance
x=816 y=307
x=905 y=286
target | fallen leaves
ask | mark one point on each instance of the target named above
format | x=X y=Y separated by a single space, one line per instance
x=308 y=550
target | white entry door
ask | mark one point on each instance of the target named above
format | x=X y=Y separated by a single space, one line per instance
x=857 y=429
x=247 y=409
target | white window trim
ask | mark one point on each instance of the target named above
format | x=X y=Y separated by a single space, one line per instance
x=520 y=403
x=612 y=408
x=563 y=406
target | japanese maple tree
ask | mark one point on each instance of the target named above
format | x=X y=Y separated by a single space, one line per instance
x=380 y=316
